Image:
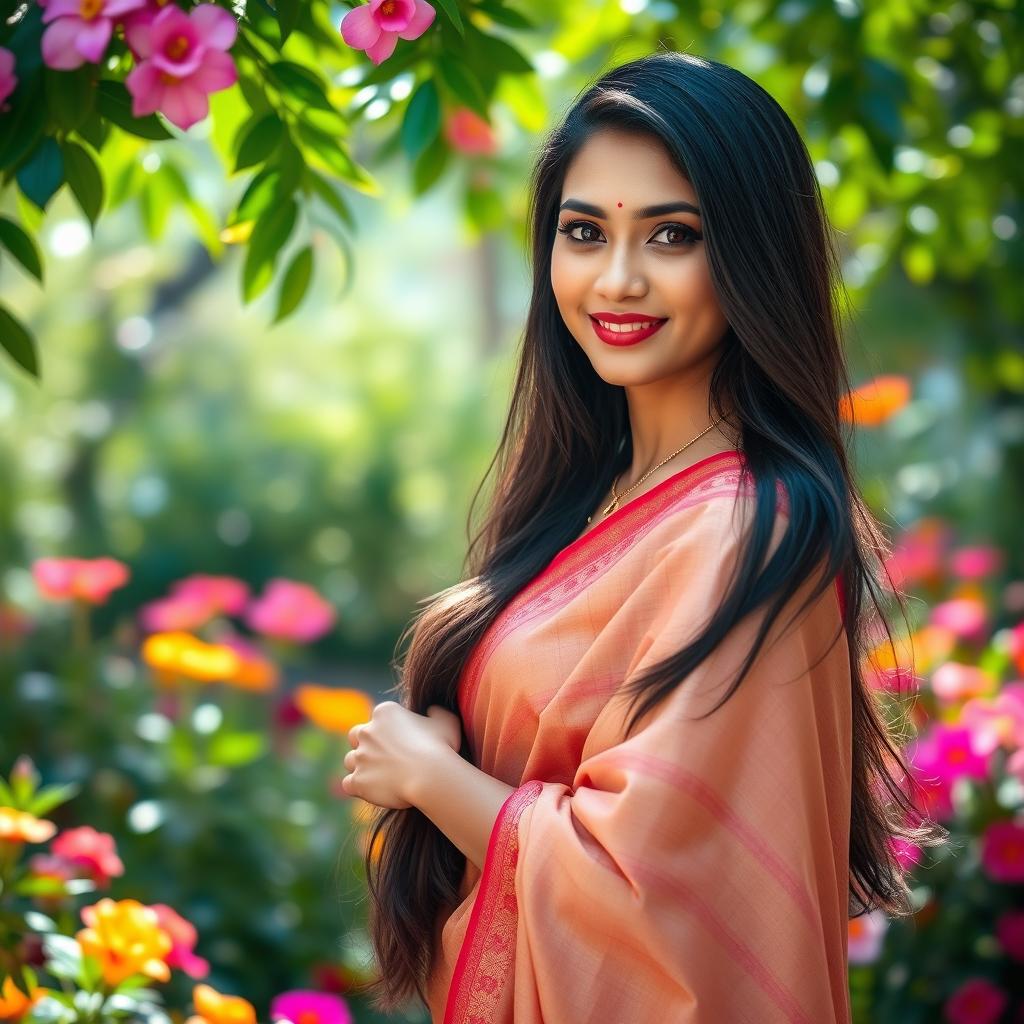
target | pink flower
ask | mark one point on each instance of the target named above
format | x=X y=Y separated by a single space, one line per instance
x=469 y=133
x=976 y=1001
x=80 y=30
x=182 y=59
x=866 y=936
x=1002 y=852
x=46 y=865
x=954 y=681
x=193 y=602
x=303 y=1006
x=183 y=940
x=290 y=611
x=996 y=722
x=975 y=563
x=1010 y=933
x=918 y=555
x=90 y=851
x=967 y=617
x=1015 y=765
x=8 y=79
x=225 y=594
x=86 y=579
x=938 y=758
x=907 y=854
x=375 y=27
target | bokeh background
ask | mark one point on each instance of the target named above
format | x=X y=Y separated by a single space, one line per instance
x=258 y=504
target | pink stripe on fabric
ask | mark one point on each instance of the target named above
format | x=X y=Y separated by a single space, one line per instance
x=700 y=792
x=741 y=953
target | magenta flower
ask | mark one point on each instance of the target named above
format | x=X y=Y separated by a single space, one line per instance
x=866 y=936
x=8 y=79
x=938 y=758
x=87 y=579
x=183 y=940
x=182 y=60
x=953 y=681
x=225 y=594
x=290 y=611
x=975 y=563
x=89 y=851
x=304 y=1006
x=1002 y=852
x=907 y=854
x=967 y=617
x=193 y=602
x=976 y=1001
x=376 y=27
x=1010 y=934
x=996 y=722
x=80 y=30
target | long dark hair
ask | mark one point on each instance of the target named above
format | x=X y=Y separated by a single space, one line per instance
x=776 y=272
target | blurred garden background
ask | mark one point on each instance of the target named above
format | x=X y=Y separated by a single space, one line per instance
x=259 y=305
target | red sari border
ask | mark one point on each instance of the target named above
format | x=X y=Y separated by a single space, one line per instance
x=586 y=558
x=487 y=950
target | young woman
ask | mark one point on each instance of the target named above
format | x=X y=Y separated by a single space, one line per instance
x=675 y=525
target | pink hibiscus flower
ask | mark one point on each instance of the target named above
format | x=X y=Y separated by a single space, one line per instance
x=376 y=27
x=89 y=851
x=290 y=611
x=304 y=1006
x=182 y=59
x=79 y=30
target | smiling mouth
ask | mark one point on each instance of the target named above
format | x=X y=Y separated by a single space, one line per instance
x=640 y=325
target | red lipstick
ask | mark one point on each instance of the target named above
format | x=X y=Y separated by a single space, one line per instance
x=630 y=337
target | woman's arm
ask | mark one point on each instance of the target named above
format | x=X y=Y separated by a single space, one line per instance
x=462 y=801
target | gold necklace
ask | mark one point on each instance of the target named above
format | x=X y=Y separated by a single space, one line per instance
x=615 y=497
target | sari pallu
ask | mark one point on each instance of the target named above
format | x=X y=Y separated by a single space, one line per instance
x=696 y=872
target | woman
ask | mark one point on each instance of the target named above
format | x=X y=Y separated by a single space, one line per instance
x=674 y=783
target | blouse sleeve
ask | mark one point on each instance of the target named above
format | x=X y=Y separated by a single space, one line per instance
x=697 y=871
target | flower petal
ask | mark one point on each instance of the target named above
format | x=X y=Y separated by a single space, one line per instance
x=146 y=86
x=217 y=72
x=217 y=26
x=359 y=29
x=383 y=48
x=58 y=44
x=421 y=20
x=93 y=38
x=184 y=104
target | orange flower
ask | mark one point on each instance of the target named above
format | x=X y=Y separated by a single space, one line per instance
x=181 y=654
x=876 y=401
x=126 y=937
x=14 y=1003
x=254 y=672
x=335 y=710
x=21 y=827
x=214 y=1008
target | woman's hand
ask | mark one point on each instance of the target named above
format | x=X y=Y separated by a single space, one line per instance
x=396 y=744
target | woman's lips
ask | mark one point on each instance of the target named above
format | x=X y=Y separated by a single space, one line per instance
x=620 y=338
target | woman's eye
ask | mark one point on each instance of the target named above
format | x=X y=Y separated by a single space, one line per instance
x=685 y=235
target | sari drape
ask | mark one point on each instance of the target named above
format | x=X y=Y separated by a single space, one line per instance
x=697 y=871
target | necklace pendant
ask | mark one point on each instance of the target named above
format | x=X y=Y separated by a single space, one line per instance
x=611 y=506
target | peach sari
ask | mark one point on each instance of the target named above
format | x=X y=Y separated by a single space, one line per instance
x=696 y=872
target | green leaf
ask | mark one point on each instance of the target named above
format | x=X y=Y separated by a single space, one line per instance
x=156 y=200
x=261 y=138
x=463 y=83
x=236 y=748
x=301 y=83
x=18 y=342
x=271 y=232
x=94 y=129
x=451 y=9
x=430 y=165
x=258 y=196
x=115 y=103
x=330 y=154
x=70 y=95
x=22 y=246
x=288 y=16
x=422 y=119
x=52 y=796
x=43 y=174
x=504 y=15
x=295 y=283
x=84 y=178
x=63 y=956
x=326 y=192
x=502 y=56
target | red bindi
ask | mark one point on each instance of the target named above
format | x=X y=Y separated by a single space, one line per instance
x=618 y=204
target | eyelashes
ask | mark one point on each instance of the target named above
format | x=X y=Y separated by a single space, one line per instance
x=692 y=236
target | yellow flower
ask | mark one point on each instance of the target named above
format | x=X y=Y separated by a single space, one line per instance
x=126 y=937
x=14 y=1003
x=21 y=827
x=214 y=1008
x=175 y=654
x=335 y=710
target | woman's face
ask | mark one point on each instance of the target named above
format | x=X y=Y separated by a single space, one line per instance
x=605 y=260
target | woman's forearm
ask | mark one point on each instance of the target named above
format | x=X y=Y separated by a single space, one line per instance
x=462 y=801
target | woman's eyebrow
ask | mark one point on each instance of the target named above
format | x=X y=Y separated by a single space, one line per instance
x=644 y=213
